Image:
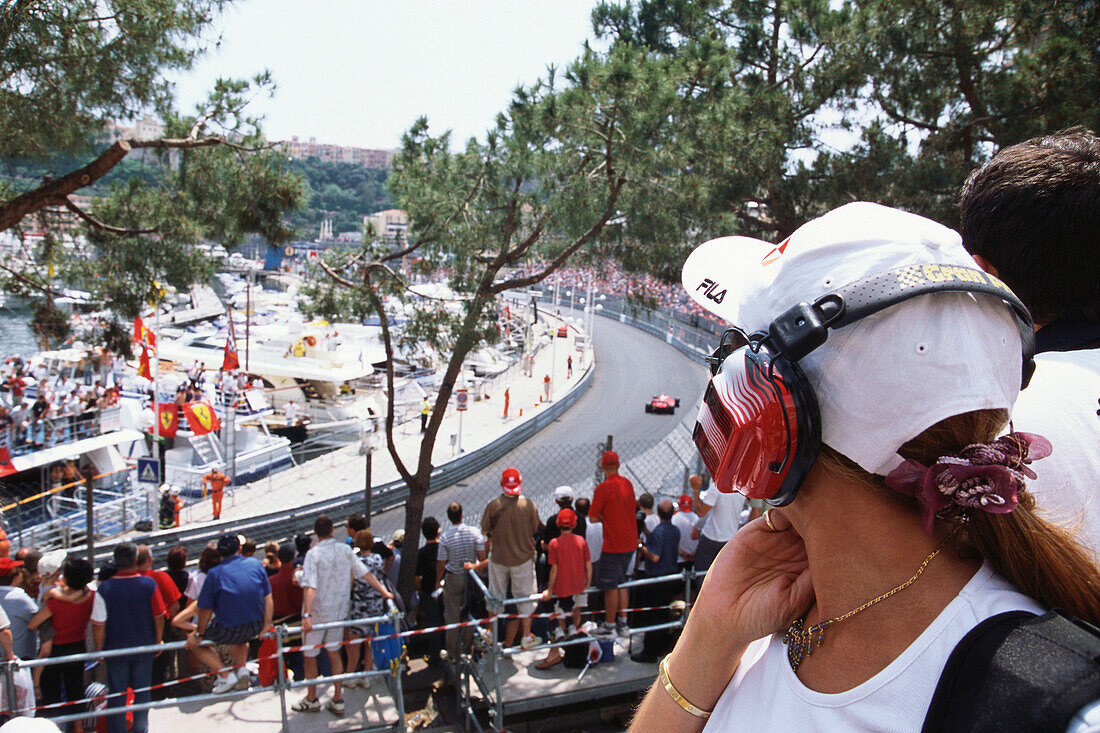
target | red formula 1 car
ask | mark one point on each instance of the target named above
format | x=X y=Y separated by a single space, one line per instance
x=662 y=403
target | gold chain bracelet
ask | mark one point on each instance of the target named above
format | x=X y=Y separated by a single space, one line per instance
x=675 y=694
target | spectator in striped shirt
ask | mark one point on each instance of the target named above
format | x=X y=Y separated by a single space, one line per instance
x=461 y=548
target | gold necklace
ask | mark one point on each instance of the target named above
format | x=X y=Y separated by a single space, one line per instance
x=801 y=641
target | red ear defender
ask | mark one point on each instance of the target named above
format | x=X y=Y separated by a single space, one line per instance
x=758 y=430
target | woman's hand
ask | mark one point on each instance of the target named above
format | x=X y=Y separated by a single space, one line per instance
x=758 y=584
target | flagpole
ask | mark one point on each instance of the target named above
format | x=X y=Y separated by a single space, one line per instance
x=156 y=392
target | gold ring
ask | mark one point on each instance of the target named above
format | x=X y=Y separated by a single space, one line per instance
x=768 y=520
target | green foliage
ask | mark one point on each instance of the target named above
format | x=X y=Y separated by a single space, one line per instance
x=67 y=68
x=344 y=192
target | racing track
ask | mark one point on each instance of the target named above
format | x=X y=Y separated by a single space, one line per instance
x=631 y=367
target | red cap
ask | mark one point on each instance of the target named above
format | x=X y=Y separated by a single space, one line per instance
x=567 y=518
x=686 y=504
x=610 y=459
x=8 y=566
x=510 y=481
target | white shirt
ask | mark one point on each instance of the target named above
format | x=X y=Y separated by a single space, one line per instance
x=724 y=517
x=1061 y=404
x=651 y=521
x=593 y=535
x=328 y=569
x=291 y=410
x=765 y=694
x=684 y=521
x=194 y=584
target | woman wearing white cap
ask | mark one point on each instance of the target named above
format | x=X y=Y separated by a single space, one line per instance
x=866 y=408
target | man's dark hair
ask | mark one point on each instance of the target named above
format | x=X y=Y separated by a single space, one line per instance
x=286 y=553
x=302 y=543
x=177 y=558
x=665 y=510
x=581 y=506
x=322 y=527
x=454 y=512
x=356 y=522
x=430 y=528
x=77 y=573
x=248 y=549
x=1033 y=212
x=125 y=555
x=645 y=501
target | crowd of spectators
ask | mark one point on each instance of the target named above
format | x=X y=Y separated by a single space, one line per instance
x=64 y=407
x=54 y=606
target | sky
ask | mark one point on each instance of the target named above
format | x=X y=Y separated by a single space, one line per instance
x=359 y=72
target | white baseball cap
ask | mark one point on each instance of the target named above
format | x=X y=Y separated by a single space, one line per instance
x=885 y=379
x=51 y=562
x=563 y=492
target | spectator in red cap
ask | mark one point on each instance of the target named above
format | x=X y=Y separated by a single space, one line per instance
x=614 y=505
x=570 y=574
x=684 y=520
x=509 y=524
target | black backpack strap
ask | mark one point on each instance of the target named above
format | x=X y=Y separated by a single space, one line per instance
x=1018 y=672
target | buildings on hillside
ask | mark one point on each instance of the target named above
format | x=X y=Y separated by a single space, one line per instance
x=391 y=225
x=366 y=157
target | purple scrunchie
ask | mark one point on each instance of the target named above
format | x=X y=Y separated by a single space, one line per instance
x=985 y=476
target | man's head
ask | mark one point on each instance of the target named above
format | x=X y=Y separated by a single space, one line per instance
x=248 y=548
x=125 y=555
x=686 y=503
x=454 y=512
x=302 y=543
x=609 y=462
x=364 y=539
x=567 y=520
x=665 y=510
x=144 y=557
x=286 y=553
x=582 y=506
x=356 y=522
x=228 y=545
x=430 y=528
x=563 y=495
x=8 y=570
x=322 y=527
x=1031 y=215
x=397 y=539
x=511 y=481
x=645 y=501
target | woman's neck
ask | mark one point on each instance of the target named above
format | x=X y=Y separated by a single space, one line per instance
x=860 y=544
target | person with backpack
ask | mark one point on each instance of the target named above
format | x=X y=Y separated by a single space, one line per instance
x=865 y=397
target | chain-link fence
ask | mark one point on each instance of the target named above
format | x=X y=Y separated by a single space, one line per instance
x=661 y=470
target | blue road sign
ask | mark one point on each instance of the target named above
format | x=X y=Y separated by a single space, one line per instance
x=148 y=471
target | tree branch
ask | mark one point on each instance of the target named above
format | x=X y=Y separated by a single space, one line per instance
x=13 y=211
x=92 y=221
x=29 y=282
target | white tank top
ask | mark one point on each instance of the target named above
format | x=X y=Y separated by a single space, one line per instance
x=765 y=694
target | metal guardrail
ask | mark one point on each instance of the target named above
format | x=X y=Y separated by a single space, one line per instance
x=281 y=685
x=491 y=689
x=287 y=523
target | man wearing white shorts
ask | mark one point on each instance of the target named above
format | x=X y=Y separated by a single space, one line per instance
x=509 y=523
x=326 y=597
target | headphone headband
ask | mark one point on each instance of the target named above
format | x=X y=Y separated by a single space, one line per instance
x=804 y=327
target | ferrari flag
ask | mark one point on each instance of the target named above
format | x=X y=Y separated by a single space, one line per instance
x=143 y=335
x=144 y=370
x=230 y=360
x=169 y=419
x=201 y=418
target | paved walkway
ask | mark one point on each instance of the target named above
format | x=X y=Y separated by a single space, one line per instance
x=344 y=471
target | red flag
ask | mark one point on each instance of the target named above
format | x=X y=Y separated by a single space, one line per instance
x=168 y=415
x=144 y=370
x=230 y=360
x=143 y=335
x=201 y=418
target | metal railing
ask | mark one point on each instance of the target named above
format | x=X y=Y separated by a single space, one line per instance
x=280 y=686
x=491 y=689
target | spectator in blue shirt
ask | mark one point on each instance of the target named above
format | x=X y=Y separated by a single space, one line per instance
x=20 y=609
x=128 y=611
x=237 y=595
x=661 y=554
